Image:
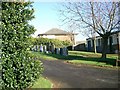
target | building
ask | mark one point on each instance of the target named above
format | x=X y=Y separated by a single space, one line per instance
x=80 y=46
x=113 y=43
x=59 y=34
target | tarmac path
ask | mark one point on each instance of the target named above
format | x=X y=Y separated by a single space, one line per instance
x=64 y=75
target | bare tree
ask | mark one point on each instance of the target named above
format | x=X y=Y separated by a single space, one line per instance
x=101 y=17
x=72 y=32
x=89 y=32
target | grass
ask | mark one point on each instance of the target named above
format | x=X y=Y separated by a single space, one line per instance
x=80 y=57
x=95 y=63
x=91 y=54
x=42 y=83
x=49 y=56
x=43 y=56
x=93 y=59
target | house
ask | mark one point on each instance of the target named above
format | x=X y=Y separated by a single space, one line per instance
x=113 y=43
x=59 y=34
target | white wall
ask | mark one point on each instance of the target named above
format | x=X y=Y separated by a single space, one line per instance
x=114 y=37
x=49 y=36
x=97 y=41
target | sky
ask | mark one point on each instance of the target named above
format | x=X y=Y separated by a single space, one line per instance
x=47 y=17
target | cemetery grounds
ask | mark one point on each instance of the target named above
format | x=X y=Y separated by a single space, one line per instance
x=79 y=58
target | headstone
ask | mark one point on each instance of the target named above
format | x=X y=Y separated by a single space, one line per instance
x=61 y=51
x=38 y=48
x=41 y=48
x=65 y=51
x=44 y=48
x=48 y=46
x=57 y=51
x=52 y=48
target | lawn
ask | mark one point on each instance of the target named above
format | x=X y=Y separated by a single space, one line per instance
x=80 y=57
x=91 y=54
x=90 y=58
x=50 y=56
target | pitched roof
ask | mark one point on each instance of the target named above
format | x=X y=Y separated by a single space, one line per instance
x=55 y=31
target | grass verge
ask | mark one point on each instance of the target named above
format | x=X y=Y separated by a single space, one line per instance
x=80 y=57
x=91 y=54
x=42 y=83
x=91 y=58
x=93 y=63
x=49 y=56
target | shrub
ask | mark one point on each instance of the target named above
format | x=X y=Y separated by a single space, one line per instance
x=56 y=42
x=66 y=43
x=19 y=70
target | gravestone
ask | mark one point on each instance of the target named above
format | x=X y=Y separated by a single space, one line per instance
x=52 y=48
x=44 y=48
x=65 y=51
x=48 y=47
x=36 y=48
x=57 y=51
x=61 y=51
x=41 y=48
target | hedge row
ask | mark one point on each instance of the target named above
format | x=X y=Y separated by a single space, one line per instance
x=19 y=70
x=44 y=41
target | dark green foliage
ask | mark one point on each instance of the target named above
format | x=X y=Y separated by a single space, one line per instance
x=56 y=42
x=19 y=70
x=67 y=43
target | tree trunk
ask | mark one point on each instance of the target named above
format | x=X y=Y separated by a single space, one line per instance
x=104 y=47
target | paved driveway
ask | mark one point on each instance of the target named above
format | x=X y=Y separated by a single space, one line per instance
x=64 y=75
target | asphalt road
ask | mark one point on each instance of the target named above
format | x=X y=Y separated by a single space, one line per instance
x=64 y=75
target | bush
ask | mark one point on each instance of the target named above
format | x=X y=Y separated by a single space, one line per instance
x=56 y=42
x=19 y=70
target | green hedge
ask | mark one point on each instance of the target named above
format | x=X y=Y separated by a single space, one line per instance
x=45 y=41
x=19 y=70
